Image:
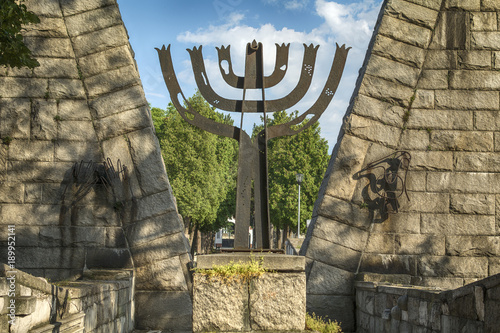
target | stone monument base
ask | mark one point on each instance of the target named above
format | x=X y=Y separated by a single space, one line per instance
x=274 y=301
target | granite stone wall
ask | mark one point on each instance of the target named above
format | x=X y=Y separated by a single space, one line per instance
x=86 y=103
x=429 y=86
x=388 y=307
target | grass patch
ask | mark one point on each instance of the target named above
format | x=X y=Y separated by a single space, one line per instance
x=316 y=323
x=234 y=272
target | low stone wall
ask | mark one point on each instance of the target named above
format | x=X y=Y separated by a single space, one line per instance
x=274 y=301
x=102 y=302
x=387 y=307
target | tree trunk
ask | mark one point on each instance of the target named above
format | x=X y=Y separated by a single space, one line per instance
x=278 y=238
x=198 y=240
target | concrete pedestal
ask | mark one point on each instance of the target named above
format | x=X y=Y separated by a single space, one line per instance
x=275 y=301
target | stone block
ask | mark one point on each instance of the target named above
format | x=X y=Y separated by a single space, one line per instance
x=414 y=139
x=117 y=149
x=123 y=123
x=70 y=7
x=457 y=224
x=415 y=181
x=424 y=99
x=405 y=32
x=470 y=5
x=425 y=202
x=348 y=160
x=231 y=298
x=155 y=204
x=413 y=13
x=328 y=280
x=463 y=182
x=467 y=100
x=23 y=214
x=437 y=282
x=100 y=257
x=21 y=150
x=474 y=59
x=66 y=88
x=107 y=60
x=119 y=101
x=392 y=71
x=24 y=236
x=50 y=47
x=440 y=59
x=100 y=40
x=78 y=151
x=161 y=275
x=71 y=109
x=87 y=215
x=482 y=204
x=462 y=140
x=447 y=266
x=388 y=263
x=56 y=68
x=485 y=40
x=380 y=243
x=115 y=238
x=343 y=211
x=487 y=120
x=484 y=21
x=333 y=254
x=399 y=223
x=473 y=246
x=433 y=79
x=150 y=310
x=42 y=116
x=340 y=233
x=379 y=110
x=497 y=141
x=492 y=308
x=401 y=52
x=15 y=113
x=48 y=27
x=391 y=92
x=147 y=230
x=339 y=308
x=22 y=87
x=77 y=130
x=49 y=257
x=146 y=154
x=490 y=5
x=159 y=249
x=442 y=119
x=466 y=79
x=93 y=20
x=431 y=161
x=284 y=295
x=112 y=80
x=368 y=129
x=420 y=244
x=44 y=8
x=11 y=192
x=35 y=172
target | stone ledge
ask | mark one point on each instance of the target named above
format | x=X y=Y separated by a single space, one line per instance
x=271 y=261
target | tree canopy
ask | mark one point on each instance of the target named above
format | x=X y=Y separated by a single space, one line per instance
x=13 y=51
x=201 y=166
x=305 y=153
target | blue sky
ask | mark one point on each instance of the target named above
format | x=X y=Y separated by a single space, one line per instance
x=212 y=23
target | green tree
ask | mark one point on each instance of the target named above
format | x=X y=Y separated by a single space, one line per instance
x=306 y=153
x=13 y=51
x=201 y=166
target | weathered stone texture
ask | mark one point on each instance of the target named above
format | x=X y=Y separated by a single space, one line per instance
x=93 y=20
x=392 y=71
x=405 y=32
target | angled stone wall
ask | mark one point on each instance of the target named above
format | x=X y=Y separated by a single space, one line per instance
x=86 y=102
x=430 y=86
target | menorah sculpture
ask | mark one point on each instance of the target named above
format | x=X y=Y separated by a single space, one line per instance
x=252 y=158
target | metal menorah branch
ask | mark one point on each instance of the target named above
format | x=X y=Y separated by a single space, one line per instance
x=252 y=159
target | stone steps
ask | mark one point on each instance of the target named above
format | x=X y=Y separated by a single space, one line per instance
x=71 y=324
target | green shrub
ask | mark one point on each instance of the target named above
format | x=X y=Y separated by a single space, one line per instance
x=316 y=323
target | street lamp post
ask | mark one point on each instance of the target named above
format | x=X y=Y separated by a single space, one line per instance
x=300 y=178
